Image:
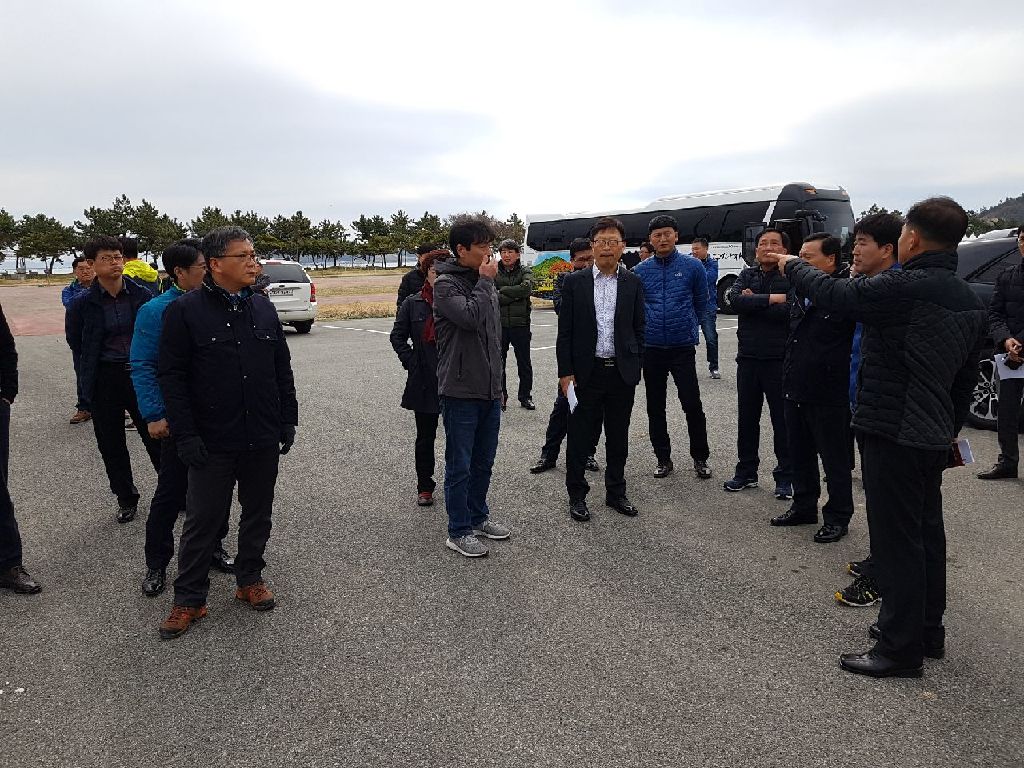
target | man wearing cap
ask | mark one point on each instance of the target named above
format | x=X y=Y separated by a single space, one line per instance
x=514 y=283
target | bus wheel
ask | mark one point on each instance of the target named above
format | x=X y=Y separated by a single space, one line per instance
x=723 y=295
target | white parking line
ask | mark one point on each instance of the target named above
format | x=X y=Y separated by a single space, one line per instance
x=538 y=349
x=364 y=330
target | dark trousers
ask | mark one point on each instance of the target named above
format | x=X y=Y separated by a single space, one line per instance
x=606 y=399
x=519 y=338
x=908 y=544
x=710 y=331
x=75 y=359
x=558 y=426
x=426 y=435
x=112 y=396
x=10 y=536
x=867 y=565
x=757 y=381
x=168 y=501
x=681 y=362
x=207 y=504
x=813 y=431
x=471 y=441
x=1007 y=418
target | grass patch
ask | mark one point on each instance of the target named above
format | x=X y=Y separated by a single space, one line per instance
x=356 y=311
x=35 y=280
x=356 y=290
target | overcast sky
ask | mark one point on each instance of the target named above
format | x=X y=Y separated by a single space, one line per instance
x=534 y=106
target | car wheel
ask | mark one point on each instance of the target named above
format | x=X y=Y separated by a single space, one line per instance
x=304 y=327
x=724 y=305
x=985 y=400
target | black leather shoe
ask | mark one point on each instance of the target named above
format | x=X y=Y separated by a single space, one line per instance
x=222 y=561
x=664 y=468
x=702 y=468
x=578 y=510
x=792 y=517
x=542 y=466
x=528 y=404
x=592 y=465
x=155 y=582
x=17 y=580
x=622 y=505
x=999 y=472
x=875 y=665
x=931 y=651
x=126 y=514
x=829 y=533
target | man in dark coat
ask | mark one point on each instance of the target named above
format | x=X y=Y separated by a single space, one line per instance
x=514 y=282
x=816 y=376
x=99 y=327
x=923 y=327
x=226 y=378
x=414 y=340
x=599 y=348
x=760 y=298
x=13 y=575
x=1006 y=324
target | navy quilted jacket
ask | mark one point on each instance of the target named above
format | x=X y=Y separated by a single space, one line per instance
x=675 y=294
x=923 y=327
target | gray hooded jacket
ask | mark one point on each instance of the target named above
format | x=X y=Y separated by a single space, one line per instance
x=468 y=330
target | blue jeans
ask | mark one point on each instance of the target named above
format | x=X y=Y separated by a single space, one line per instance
x=707 y=325
x=471 y=440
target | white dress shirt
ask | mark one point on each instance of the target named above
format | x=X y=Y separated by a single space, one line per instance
x=606 y=288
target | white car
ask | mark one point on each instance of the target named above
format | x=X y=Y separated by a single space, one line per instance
x=292 y=293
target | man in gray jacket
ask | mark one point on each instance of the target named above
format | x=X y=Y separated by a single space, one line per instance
x=469 y=367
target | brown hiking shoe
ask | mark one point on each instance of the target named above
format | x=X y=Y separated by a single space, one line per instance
x=181 y=618
x=257 y=595
x=80 y=416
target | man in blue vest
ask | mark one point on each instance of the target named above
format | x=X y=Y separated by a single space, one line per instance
x=676 y=298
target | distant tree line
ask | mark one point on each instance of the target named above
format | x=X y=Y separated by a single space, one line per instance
x=978 y=222
x=369 y=238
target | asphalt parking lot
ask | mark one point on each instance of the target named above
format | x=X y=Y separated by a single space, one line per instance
x=692 y=635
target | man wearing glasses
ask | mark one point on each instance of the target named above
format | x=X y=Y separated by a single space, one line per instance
x=676 y=297
x=226 y=379
x=99 y=326
x=186 y=266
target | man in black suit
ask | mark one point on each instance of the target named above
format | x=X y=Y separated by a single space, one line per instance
x=599 y=351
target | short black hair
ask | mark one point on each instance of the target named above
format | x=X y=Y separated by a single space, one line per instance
x=579 y=244
x=216 y=241
x=426 y=248
x=647 y=245
x=469 y=232
x=700 y=241
x=786 y=242
x=830 y=245
x=129 y=247
x=939 y=220
x=662 y=221
x=607 y=222
x=883 y=228
x=184 y=253
x=76 y=261
x=98 y=243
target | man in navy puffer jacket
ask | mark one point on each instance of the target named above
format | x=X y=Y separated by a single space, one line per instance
x=676 y=296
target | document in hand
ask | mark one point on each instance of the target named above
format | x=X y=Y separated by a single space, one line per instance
x=570 y=395
x=960 y=453
x=1007 y=373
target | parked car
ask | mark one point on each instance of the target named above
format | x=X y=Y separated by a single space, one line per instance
x=292 y=293
x=980 y=262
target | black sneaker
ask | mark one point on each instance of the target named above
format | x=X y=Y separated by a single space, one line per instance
x=856 y=567
x=861 y=593
x=740 y=483
x=783 y=491
x=125 y=514
x=592 y=465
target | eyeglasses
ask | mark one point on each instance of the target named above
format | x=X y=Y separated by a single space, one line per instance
x=107 y=259
x=251 y=256
x=607 y=241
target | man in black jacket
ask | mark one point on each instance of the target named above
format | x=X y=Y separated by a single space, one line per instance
x=816 y=380
x=226 y=378
x=922 y=329
x=599 y=349
x=759 y=297
x=13 y=575
x=1006 y=324
x=99 y=327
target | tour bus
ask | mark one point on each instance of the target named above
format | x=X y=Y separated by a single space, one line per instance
x=729 y=219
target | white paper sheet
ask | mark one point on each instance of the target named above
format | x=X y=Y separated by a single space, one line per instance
x=570 y=395
x=1007 y=373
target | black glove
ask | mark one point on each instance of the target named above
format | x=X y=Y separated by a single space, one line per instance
x=192 y=451
x=287 y=438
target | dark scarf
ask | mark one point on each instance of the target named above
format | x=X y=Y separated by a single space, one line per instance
x=427 y=292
